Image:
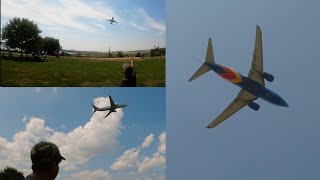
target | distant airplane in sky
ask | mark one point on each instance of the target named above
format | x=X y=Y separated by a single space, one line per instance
x=111 y=108
x=252 y=87
x=112 y=20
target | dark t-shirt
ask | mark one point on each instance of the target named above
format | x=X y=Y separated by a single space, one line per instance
x=128 y=82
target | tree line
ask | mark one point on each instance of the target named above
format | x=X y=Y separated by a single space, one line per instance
x=24 y=35
x=10 y=173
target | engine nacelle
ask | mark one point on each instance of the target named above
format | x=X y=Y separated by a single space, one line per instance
x=268 y=77
x=254 y=106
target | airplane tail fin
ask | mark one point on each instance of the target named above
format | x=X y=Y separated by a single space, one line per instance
x=209 y=60
x=94 y=109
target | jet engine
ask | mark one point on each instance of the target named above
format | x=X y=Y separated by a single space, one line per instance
x=254 y=106
x=267 y=76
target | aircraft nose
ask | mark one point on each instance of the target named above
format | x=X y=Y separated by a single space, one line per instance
x=284 y=103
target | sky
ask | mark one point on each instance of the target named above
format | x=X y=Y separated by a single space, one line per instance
x=272 y=143
x=82 y=24
x=128 y=144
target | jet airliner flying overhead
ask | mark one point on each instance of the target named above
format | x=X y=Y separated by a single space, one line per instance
x=112 y=20
x=252 y=87
x=111 y=108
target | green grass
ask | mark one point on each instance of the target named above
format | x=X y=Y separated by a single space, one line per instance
x=78 y=72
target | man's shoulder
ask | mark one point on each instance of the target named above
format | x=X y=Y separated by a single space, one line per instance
x=30 y=178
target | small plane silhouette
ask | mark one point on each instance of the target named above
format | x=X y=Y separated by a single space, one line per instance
x=111 y=108
x=112 y=20
x=252 y=87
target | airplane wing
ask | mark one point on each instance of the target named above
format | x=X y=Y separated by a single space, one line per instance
x=239 y=102
x=111 y=102
x=257 y=60
x=108 y=114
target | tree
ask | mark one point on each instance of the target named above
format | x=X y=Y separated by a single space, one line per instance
x=50 y=45
x=120 y=54
x=10 y=173
x=22 y=34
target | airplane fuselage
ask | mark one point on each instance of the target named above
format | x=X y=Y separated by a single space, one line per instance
x=247 y=84
x=110 y=108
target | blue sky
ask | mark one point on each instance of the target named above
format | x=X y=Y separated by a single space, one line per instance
x=82 y=25
x=273 y=143
x=129 y=144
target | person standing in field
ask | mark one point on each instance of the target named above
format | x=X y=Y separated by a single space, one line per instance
x=130 y=75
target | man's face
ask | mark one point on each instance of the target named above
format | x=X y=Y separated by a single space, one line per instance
x=55 y=169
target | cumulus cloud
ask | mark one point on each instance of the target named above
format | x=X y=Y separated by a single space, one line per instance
x=99 y=135
x=128 y=159
x=96 y=175
x=147 y=142
x=162 y=141
x=132 y=159
x=156 y=160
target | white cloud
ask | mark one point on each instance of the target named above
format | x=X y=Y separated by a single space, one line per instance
x=161 y=27
x=131 y=159
x=142 y=21
x=128 y=159
x=61 y=14
x=25 y=119
x=99 y=135
x=137 y=26
x=147 y=142
x=156 y=160
x=91 y=175
x=162 y=140
x=16 y=153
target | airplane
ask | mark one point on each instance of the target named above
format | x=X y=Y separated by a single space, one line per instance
x=111 y=108
x=252 y=87
x=112 y=20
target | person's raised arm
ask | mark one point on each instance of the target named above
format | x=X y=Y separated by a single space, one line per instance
x=132 y=65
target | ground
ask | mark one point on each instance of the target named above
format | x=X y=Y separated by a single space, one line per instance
x=78 y=72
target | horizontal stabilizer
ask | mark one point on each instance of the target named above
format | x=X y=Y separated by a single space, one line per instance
x=203 y=69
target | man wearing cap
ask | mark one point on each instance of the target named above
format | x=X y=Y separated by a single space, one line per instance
x=129 y=74
x=45 y=158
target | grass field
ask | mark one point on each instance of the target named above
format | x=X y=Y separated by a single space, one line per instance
x=78 y=72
